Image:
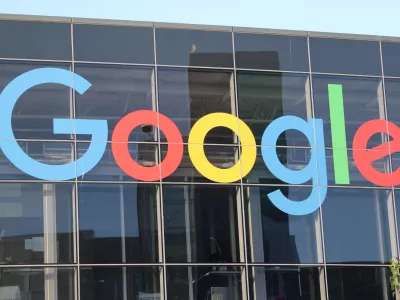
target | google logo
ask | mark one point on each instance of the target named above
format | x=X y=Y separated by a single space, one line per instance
x=98 y=129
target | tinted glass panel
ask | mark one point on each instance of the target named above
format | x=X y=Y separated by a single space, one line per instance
x=264 y=97
x=130 y=283
x=113 y=44
x=194 y=48
x=113 y=216
x=37 y=283
x=390 y=57
x=107 y=168
x=392 y=90
x=51 y=153
x=116 y=92
x=276 y=237
x=35 y=110
x=36 y=223
x=345 y=56
x=362 y=101
x=369 y=283
x=200 y=223
x=35 y=40
x=286 y=283
x=200 y=282
x=186 y=96
x=271 y=52
x=364 y=239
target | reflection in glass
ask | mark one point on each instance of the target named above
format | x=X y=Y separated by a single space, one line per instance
x=51 y=153
x=291 y=158
x=118 y=223
x=222 y=157
x=276 y=237
x=36 y=223
x=118 y=44
x=116 y=92
x=36 y=109
x=363 y=101
x=35 y=40
x=392 y=93
x=205 y=282
x=201 y=223
x=264 y=97
x=390 y=59
x=128 y=283
x=286 y=283
x=341 y=56
x=37 y=283
x=194 y=48
x=271 y=52
x=186 y=96
x=367 y=283
x=361 y=239
x=107 y=169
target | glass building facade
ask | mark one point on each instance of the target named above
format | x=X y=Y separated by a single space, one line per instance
x=108 y=236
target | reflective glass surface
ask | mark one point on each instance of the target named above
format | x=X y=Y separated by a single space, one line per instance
x=271 y=52
x=390 y=58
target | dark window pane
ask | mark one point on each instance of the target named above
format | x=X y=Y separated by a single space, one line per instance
x=367 y=283
x=286 y=283
x=292 y=158
x=36 y=223
x=113 y=44
x=198 y=283
x=271 y=52
x=264 y=97
x=51 y=153
x=37 y=283
x=390 y=57
x=392 y=90
x=201 y=223
x=364 y=239
x=106 y=283
x=219 y=156
x=186 y=96
x=116 y=92
x=194 y=48
x=362 y=102
x=276 y=237
x=107 y=169
x=115 y=215
x=397 y=202
x=345 y=56
x=36 y=109
x=35 y=40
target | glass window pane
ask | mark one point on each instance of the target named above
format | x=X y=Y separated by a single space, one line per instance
x=264 y=97
x=112 y=216
x=108 y=170
x=362 y=101
x=194 y=48
x=36 y=109
x=392 y=92
x=131 y=283
x=367 y=283
x=201 y=223
x=116 y=92
x=187 y=95
x=36 y=223
x=51 y=153
x=365 y=239
x=276 y=237
x=201 y=282
x=219 y=156
x=271 y=52
x=345 y=56
x=292 y=158
x=286 y=283
x=390 y=57
x=118 y=44
x=35 y=40
x=37 y=283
